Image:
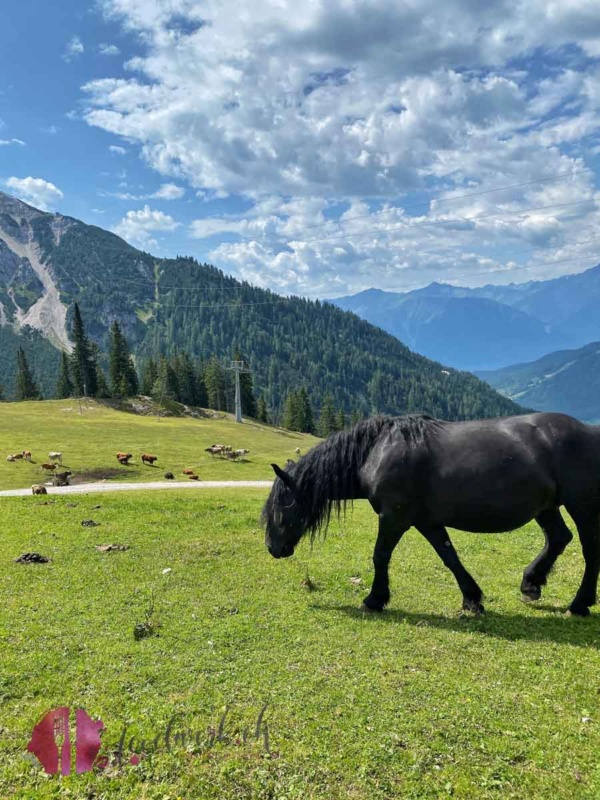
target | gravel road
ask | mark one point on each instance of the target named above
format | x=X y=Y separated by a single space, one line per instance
x=105 y=486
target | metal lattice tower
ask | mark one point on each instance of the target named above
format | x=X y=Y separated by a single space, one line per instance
x=239 y=367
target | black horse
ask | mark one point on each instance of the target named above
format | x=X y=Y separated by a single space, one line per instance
x=484 y=476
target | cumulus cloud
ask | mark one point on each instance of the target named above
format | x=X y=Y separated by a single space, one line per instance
x=137 y=227
x=108 y=49
x=117 y=150
x=316 y=110
x=73 y=49
x=169 y=191
x=40 y=193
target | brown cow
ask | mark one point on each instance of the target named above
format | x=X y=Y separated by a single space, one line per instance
x=15 y=457
x=194 y=478
x=147 y=458
x=124 y=460
x=26 y=454
x=38 y=489
x=188 y=472
x=49 y=467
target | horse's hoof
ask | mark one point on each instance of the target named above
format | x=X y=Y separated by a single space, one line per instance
x=528 y=598
x=368 y=610
x=476 y=609
x=582 y=612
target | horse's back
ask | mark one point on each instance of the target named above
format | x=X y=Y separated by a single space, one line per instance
x=487 y=475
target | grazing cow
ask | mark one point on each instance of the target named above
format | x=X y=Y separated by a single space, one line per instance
x=194 y=478
x=297 y=451
x=38 y=489
x=241 y=453
x=231 y=456
x=26 y=454
x=55 y=457
x=48 y=467
x=147 y=458
x=124 y=460
x=61 y=478
x=215 y=450
x=188 y=472
x=169 y=476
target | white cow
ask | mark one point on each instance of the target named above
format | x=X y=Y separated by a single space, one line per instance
x=55 y=457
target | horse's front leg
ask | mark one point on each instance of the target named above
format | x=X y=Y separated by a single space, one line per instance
x=391 y=530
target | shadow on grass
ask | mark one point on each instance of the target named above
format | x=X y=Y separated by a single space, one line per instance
x=577 y=631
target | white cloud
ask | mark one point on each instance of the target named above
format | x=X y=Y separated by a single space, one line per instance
x=51 y=129
x=169 y=191
x=73 y=49
x=117 y=150
x=137 y=226
x=313 y=109
x=5 y=142
x=108 y=49
x=40 y=193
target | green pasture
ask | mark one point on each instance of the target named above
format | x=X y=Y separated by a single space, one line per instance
x=89 y=435
x=416 y=702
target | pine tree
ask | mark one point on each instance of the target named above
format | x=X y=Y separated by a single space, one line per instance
x=149 y=377
x=102 y=389
x=262 y=415
x=326 y=418
x=306 y=418
x=190 y=391
x=340 y=420
x=64 y=385
x=83 y=362
x=216 y=385
x=355 y=418
x=26 y=388
x=290 y=412
x=166 y=384
x=123 y=377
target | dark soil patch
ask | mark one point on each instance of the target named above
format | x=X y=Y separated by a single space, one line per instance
x=103 y=474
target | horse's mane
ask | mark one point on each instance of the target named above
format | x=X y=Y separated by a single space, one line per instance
x=327 y=477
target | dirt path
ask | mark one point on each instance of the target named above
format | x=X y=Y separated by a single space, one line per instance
x=84 y=488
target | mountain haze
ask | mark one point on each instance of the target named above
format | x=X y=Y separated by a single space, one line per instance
x=491 y=326
x=48 y=261
x=567 y=380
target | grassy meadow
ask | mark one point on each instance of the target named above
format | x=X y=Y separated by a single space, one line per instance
x=90 y=435
x=417 y=702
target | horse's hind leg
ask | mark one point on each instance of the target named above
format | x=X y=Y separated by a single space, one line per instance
x=558 y=537
x=440 y=541
x=588 y=528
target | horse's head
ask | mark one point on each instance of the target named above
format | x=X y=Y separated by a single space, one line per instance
x=283 y=515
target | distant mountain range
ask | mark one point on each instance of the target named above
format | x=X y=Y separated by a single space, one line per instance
x=491 y=326
x=568 y=381
x=48 y=262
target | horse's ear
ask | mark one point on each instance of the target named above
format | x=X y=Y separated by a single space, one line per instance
x=285 y=477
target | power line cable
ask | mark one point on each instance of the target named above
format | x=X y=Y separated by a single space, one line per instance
x=426 y=204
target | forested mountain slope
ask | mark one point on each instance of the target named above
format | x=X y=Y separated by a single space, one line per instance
x=48 y=261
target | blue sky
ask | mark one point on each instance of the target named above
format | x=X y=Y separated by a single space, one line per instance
x=315 y=149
